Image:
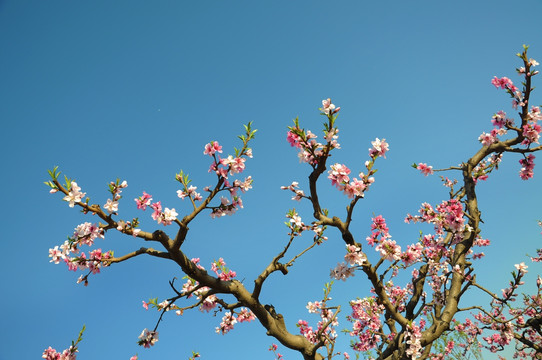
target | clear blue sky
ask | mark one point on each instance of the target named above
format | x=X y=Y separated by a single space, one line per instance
x=134 y=89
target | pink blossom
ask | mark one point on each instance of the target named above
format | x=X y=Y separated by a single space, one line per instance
x=228 y=321
x=328 y=107
x=426 y=170
x=534 y=114
x=339 y=175
x=537 y=258
x=504 y=83
x=111 y=206
x=157 y=207
x=86 y=233
x=295 y=219
x=413 y=334
x=237 y=165
x=143 y=201
x=306 y=331
x=212 y=148
x=518 y=99
x=331 y=137
x=379 y=224
x=527 y=166
x=293 y=139
x=354 y=255
x=222 y=172
x=148 y=338
x=50 y=354
x=227 y=276
x=209 y=303
x=487 y=139
x=245 y=315
x=291 y=187
x=245 y=185
x=499 y=119
x=413 y=253
x=355 y=188
x=75 y=195
x=56 y=255
x=169 y=216
x=389 y=250
x=314 y=307
x=341 y=272
x=522 y=268
x=531 y=132
x=380 y=147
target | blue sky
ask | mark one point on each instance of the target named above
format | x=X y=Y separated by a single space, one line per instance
x=135 y=89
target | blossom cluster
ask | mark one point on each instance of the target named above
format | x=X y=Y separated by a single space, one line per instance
x=294 y=187
x=341 y=272
x=397 y=294
x=147 y=338
x=224 y=167
x=68 y=354
x=448 y=215
x=485 y=167
x=296 y=226
x=339 y=173
x=295 y=223
x=366 y=323
x=508 y=322
x=84 y=234
x=165 y=305
x=413 y=335
x=115 y=188
x=190 y=192
x=530 y=129
x=229 y=165
x=273 y=348
x=74 y=195
x=310 y=150
x=380 y=236
x=527 y=166
x=424 y=168
x=207 y=301
x=328 y=108
x=220 y=269
x=161 y=216
x=227 y=206
x=325 y=328
x=229 y=320
x=52 y=354
x=385 y=246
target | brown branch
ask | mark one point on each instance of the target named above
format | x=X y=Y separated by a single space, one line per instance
x=143 y=250
x=273 y=266
x=290 y=263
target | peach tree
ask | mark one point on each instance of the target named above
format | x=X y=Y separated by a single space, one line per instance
x=416 y=319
